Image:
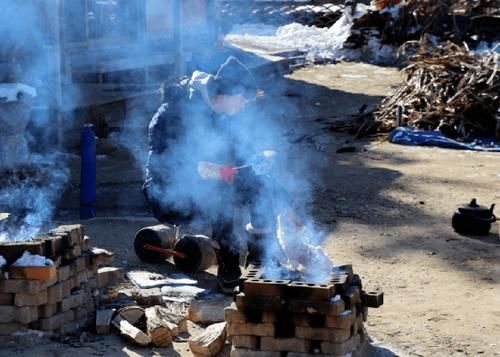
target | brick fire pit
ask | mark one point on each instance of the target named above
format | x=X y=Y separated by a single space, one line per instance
x=296 y=318
x=67 y=301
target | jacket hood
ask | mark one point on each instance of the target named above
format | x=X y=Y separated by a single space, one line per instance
x=200 y=82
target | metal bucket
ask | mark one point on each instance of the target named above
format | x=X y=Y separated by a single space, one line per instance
x=200 y=251
x=159 y=236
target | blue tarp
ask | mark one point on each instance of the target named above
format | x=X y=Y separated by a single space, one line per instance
x=408 y=136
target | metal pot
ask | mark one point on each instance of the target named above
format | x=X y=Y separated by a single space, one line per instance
x=473 y=219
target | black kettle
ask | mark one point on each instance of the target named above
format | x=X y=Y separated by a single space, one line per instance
x=473 y=219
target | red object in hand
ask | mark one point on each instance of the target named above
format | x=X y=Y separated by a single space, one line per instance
x=227 y=173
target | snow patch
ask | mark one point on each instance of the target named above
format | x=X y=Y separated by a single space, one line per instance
x=32 y=260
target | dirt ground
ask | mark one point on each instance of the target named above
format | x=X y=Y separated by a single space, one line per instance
x=387 y=210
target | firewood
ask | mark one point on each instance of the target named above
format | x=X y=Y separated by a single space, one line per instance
x=159 y=330
x=210 y=342
x=131 y=332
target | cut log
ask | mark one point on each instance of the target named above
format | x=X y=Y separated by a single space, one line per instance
x=208 y=311
x=131 y=332
x=179 y=320
x=132 y=313
x=159 y=330
x=103 y=321
x=210 y=342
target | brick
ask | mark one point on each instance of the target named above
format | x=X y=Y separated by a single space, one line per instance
x=48 y=283
x=92 y=283
x=317 y=307
x=245 y=352
x=51 y=323
x=7 y=313
x=264 y=287
x=267 y=303
x=27 y=314
x=250 y=329
x=103 y=321
x=252 y=342
x=69 y=316
x=78 y=265
x=67 y=285
x=81 y=278
x=6 y=299
x=373 y=299
x=109 y=276
x=47 y=310
x=340 y=280
x=269 y=317
x=63 y=272
x=309 y=320
x=284 y=344
x=86 y=243
x=344 y=321
x=309 y=291
x=340 y=348
x=73 y=252
x=74 y=233
x=11 y=327
x=322 y=334
x=232 y=314
x=81 y=312
x=19 y=286
x=101 y=256
x=72 y=301
x=55 y=294
x=38 y=299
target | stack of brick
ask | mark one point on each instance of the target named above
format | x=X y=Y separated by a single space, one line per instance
x=63 y=304
x=299 y=319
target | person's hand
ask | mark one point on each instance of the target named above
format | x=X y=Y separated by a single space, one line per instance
x=227 y=173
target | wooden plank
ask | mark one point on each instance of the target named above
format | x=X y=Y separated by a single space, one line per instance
x=210 y=342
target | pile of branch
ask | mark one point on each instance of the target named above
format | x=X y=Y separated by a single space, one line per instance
x=469 y=21
x=447 y=88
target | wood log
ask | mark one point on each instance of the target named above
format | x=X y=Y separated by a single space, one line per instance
x=131 y=332
x=176 y=319
x=210 y=342
x=159 y=330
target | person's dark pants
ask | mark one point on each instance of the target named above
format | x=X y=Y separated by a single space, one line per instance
x=261 y=194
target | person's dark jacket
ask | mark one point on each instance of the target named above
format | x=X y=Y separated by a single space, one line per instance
x=185 y=131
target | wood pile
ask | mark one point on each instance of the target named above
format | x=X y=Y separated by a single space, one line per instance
x=445 y=88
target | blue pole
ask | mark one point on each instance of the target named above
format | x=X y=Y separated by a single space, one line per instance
x=88 y=174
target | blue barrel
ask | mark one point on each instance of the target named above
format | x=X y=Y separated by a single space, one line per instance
x=88 y=174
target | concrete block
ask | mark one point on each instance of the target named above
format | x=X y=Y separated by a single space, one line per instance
x=47 y=310
x=63 y=272
x=260 y=303
x=38 y=299
x=81 y=278
x=81 y=312
x=344 y=321
x=55 y=294
x=6 y=299
x=27 y=314
x=251 y=342
x=78 y=265
x=101 y=256
x=322 y=334
x=285 y=344
x=85 y=243
x=317 y=307
x=7 y=313
x=74 y=232
x=109 y=276
x=352 y=296
x=67 y=286
x=308 y=291
x=10 y=327
x=69 y=316
x=73 y=301
x=267 y=287
x=373 y=299
x=250 y=329
x=51 y=323
x=103 y=321
x=20 y=286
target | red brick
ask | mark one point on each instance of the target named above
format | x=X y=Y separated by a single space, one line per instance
x=323 y=334
x=232 y=314
x=31 y=299
x=264 y=287
x=338 y=348
x=262 y=303
x=308 y=291
x=251 y=342
x=317 y=307
x=250 y=329
x=344 y=321
x=373 y=299
x=285 y=344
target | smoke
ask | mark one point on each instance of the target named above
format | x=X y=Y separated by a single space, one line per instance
x=32 y=174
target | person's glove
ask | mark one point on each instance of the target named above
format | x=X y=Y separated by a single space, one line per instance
x=209 y=170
